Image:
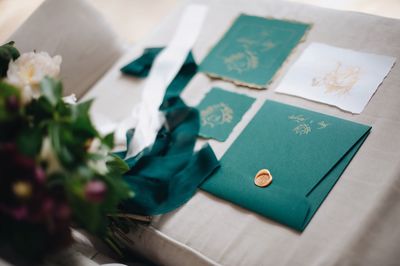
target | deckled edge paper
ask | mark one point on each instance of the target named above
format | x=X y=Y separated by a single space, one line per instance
x=250 y=84
x=164 y=70
x=219 y=117
x=340 y=77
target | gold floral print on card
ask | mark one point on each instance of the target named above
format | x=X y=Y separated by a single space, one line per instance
x=217 y=114
x=247 y=58
x=305 y=125
x=341 y=80
x=241 y=61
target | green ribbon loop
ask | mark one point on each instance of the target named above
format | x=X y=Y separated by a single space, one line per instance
x=167 y=174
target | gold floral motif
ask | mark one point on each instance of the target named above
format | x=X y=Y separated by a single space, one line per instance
x=268 y=45
x=341 y=80
x=217 y=114
x=247 y=58
x=302 y=129
x=297 y=118
x=305 y=125
x=241 y=61
x=245 y=42
x=322 y=124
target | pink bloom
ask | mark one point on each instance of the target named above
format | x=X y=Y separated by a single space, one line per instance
x=95 y=191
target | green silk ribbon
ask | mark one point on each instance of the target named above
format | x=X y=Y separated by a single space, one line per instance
x=167 y=174
x=141 y=66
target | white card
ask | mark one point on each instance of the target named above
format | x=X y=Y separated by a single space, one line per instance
x=340 y=77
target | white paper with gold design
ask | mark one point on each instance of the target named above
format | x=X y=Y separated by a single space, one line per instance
x=340 y=77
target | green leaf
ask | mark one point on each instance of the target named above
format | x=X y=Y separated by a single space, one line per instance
x=81 y=118
x=117 y=190
x=64 y=110
x=51 y=89
x=39 y=111
x=7 y=53
x=84 y=173
x=6 y=90
x=12 y=50
x=108 y=140
x=86 y=214
x=30 y=141
x=116 y=165
x=58 y=137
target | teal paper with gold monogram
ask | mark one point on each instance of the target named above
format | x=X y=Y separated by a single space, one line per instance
x=220 y=111
x=253 y=49
x=306 y=153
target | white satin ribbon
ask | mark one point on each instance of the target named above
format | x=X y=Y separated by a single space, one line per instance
x=164 y=69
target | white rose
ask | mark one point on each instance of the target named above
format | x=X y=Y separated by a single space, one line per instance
x=29 y=69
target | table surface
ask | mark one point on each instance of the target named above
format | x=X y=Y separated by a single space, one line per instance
x=356 y=223
x=133 y=19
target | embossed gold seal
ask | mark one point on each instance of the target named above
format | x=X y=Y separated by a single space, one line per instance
x=263 y=178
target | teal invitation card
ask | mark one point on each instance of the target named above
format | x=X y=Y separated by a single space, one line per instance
x=304 y=151
x=220 y=111
x=253 y=49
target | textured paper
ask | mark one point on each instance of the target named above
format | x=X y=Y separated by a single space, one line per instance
x=220 y=111
x=305 y=152
x=340 y=77
x=253 y=50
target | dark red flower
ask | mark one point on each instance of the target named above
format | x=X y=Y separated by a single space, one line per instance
x=27 y=201
x=95 y=191
x=12 y=103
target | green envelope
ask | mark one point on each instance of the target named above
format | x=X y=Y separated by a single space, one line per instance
x=253 y=49
x=305 y=151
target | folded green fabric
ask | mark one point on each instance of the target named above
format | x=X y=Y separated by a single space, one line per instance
x=306 y=152
x=167 y=175
x=141 y=66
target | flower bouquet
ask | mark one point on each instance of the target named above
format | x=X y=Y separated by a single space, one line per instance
x=56 y=170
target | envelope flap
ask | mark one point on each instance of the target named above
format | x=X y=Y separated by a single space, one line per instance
x=274 y=202
x=298 y=146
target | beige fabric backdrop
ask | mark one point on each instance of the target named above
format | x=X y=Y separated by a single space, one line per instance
x=133 y=19
x=76 y=31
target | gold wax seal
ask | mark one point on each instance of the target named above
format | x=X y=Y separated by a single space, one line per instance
x=263 y=178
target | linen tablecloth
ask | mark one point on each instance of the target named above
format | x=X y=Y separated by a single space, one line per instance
x=358 y=222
